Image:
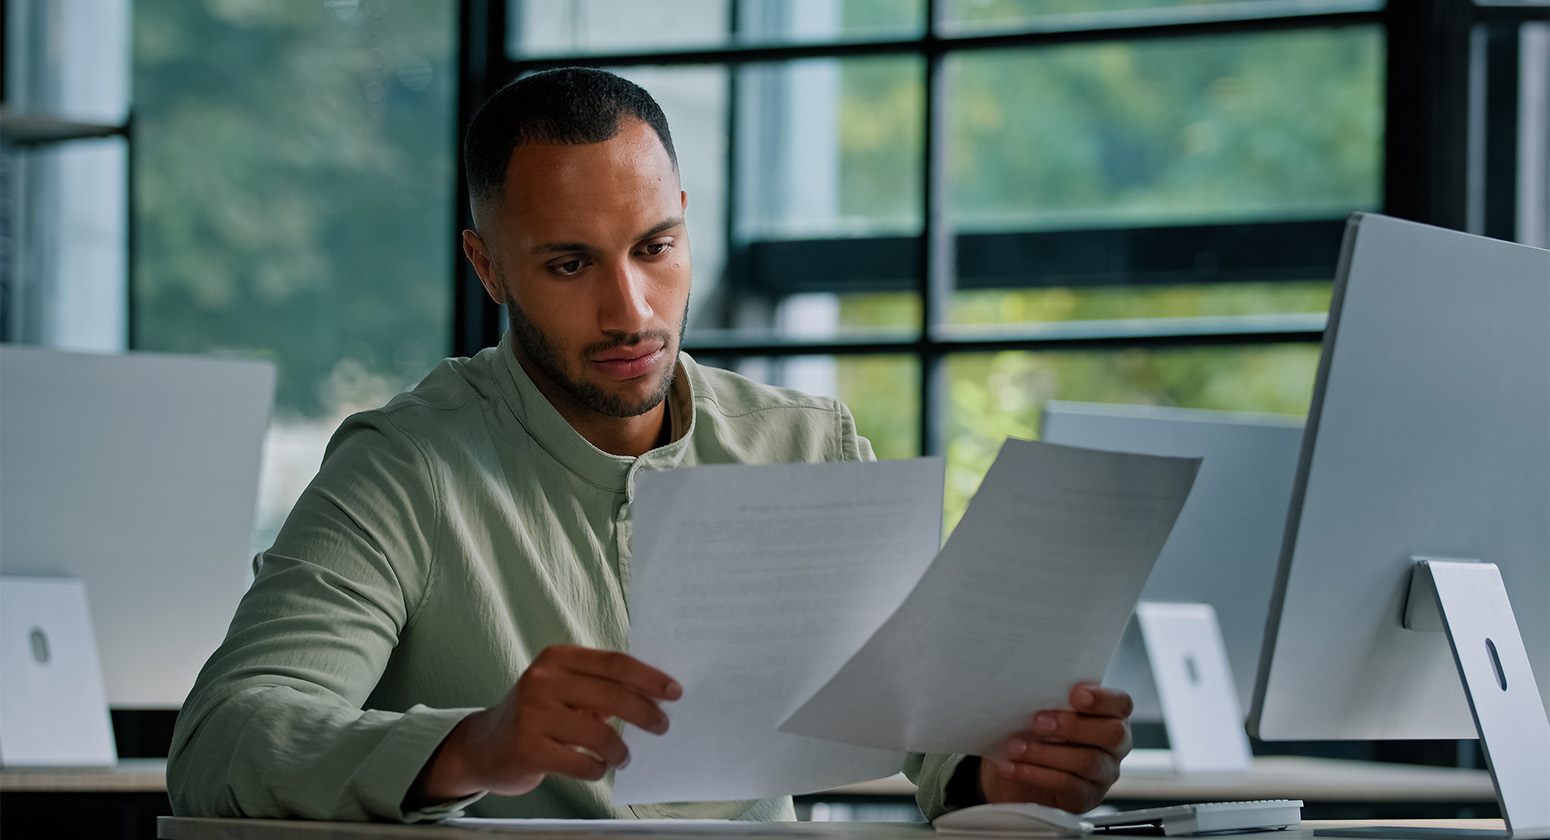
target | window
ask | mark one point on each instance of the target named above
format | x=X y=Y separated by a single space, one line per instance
x=946 y=213
x=63 y=175
x=294 y=177
x=889 y=198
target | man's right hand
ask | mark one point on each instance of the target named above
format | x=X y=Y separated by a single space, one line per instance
x=557 y=719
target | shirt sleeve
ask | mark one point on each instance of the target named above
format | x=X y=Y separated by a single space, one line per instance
x=943 y=782
x=275 y=725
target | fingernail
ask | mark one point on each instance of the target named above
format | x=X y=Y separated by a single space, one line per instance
x=1082 y=697
x=1044 y=724
x=674 y=690
x=1007 y=769
x=1015 y=748
x=623 y=764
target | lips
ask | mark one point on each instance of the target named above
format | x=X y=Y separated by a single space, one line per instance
x=621 y=363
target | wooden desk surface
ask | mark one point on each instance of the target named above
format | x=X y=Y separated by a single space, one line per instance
x=1275 y=777
x=1271 y=777
x=178 y=828
x=131 y=775
x=1313 y=780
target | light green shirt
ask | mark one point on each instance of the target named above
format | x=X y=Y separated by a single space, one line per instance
x=448 y=538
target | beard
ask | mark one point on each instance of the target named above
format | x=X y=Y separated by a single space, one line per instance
x=547 y=356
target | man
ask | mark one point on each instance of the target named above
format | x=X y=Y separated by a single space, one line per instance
x=474 y=533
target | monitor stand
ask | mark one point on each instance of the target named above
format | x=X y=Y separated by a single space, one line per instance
x=1466 y=600
x=1195 y=687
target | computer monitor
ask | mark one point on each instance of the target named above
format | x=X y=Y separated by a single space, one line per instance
x=1224 y=546
x=1428 y=437
x=138 y=474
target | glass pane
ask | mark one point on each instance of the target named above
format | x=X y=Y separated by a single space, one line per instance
x=819 y=316
x=568 y=27
x=68 y=60
x=826 y=150
x=1273 y=126
x=882 y=392
x=995 y=395
x=294 y=187
x=65 y=254
x=539 y=28
x=1022 y=306
x=820 y=21
x=980 y=16
x=830 y=147
x=63 y=205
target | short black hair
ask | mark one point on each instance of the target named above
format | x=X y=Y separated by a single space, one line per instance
x=569 y=105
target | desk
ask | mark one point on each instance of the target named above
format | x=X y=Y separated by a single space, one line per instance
x=131 y=775
x=122 y=801
x=1271 y=777
x=178 y=828
x=131 y=795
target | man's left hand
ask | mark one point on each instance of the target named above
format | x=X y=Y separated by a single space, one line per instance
x=1067 y=759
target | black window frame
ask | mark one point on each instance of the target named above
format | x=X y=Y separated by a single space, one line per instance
x=1425 y=157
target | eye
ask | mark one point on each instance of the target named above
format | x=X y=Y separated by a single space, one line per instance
x=567 y=268
x=657 y=249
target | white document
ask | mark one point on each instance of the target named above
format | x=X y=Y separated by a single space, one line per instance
x=648 y=828
x=750 y=585
x=816 y=638
x=1029 y=596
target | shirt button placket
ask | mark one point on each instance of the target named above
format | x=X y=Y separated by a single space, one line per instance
x=622 y=528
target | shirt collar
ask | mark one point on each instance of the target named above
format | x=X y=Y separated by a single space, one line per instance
x=544 y=423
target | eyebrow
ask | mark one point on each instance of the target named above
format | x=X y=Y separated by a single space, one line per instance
x=566 y=247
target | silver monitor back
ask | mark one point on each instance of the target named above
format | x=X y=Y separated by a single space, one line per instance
x=139 y=475
x=1429 y=435
x=1223 y=548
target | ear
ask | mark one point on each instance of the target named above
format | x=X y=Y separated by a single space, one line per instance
x=478 y=253
x=683 y=200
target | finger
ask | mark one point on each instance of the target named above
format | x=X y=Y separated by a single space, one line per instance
x=605 y=698
x=620 y=668
x=1110 y=734
x=579 y=729
x=1093 y=699
x=568 y=761
x=1049 y=786
x=1090 y=763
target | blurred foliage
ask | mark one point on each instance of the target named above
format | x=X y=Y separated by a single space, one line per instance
x=293 y=185
x=881 y=129
x=1284 y=125
x=998 y=395
x=892 y=421
x=993 y=15
x=992 y=396
x=1273 y=125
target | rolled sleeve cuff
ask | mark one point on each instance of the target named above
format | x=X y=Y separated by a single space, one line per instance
x=398 y=759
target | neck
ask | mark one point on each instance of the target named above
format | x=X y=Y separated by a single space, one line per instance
x=628 y=436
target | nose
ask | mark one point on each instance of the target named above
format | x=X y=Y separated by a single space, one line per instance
x=622 y=306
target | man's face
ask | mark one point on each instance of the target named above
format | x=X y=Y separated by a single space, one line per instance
x=589 y=250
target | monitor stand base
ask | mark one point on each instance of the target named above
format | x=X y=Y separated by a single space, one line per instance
x=1195 y=687
x=1467 y=600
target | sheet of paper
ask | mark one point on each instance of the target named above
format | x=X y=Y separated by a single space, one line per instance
x=665 y=827
x=1029 y=596
x=750 y=585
